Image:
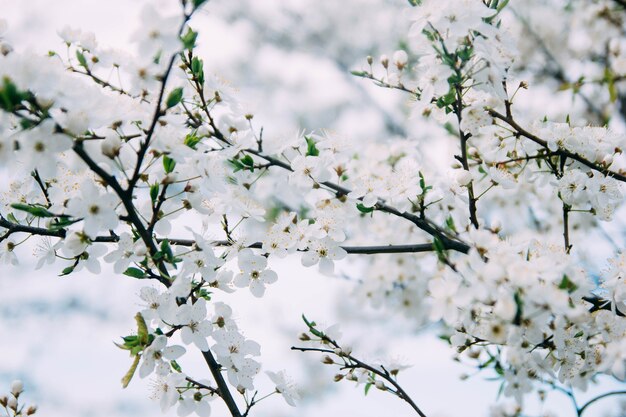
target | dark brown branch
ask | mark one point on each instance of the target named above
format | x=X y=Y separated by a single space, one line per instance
x=449 y=242
x=463 y=137
x=566 y=210
x=203 y=386
x=356 y=250
x=561 y=152
x=224 y=392
x=599 y=397
x=158 y=112
x=127 y=202
x=383 y=373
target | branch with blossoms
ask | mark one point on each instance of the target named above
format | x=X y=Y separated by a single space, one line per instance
x=12 y=405
x=357 y=370
x=109 y=185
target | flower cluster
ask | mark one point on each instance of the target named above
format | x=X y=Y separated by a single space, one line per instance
x=116 y=171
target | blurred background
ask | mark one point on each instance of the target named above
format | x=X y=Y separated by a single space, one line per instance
x=289 y=61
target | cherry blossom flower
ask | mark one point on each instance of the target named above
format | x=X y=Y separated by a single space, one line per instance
x=284 y=387
x=254 y=273
x=324 y=252
x=196 y=327
x=154 y=355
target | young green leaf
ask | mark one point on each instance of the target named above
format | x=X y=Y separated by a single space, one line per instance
x=311 y=149
x=364 y=209
x=168 y=164
x=154 y=192
x=36 y=211
x=175 y=97
x=135 y=272
x=129 y=375
x=81 y=59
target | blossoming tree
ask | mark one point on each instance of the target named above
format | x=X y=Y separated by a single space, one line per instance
x=499 y=249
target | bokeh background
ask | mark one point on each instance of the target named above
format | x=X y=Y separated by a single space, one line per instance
x=289 y=60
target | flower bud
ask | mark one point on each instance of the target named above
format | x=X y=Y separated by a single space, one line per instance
x=384 y=60
x=31 y=410
x=304 y=337
x=462 y=177
x=351 y=377
x=370 y=60
x=327 y=360
x=12 y=403
x=17 y=387
x=607 y=160
x=111 y=146
x=3 y=401
x=5 y=48
x=400 y=59
x=338 y=377
x=170 y=178
x=380 y=385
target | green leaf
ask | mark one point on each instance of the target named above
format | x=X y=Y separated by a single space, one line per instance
x=62 y=223
x=168 y=164
x=567 y=284
x=10 y=96
x=154 y=192
x=519 y=313
x=197 y=69
x=422 y=181
x=129 y=375
x=175 y=97
x=465 y=54
x=364 y=209
x=176 y=366
x=142 y=330
x=610 y=81
x=192 y=140
x=67 y=271
x=189 y=39
x=311 y=325
x=237 y=165
x=36 y=211
x=248 y=162
x=359 y=73
x=81 y=59
x=135 y=273
x=203 y=293
x=367 y=387
x=439 y=248
x=198 y=3
x=450 y=224
x=311 y=149
x=167 y=251
x=502 y=5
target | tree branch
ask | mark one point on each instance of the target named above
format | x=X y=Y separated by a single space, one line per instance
x=449 y=242
x=221 y=384
x=599 y=397
x=356 y=363
x=356 y=250
x=158 y=112
x=561 y=152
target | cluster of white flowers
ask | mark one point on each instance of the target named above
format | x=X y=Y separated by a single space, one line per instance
x=524 y=305
x=113 y=166
x=12 y=405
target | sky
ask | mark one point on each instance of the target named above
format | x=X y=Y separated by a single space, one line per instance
x=57 y=333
